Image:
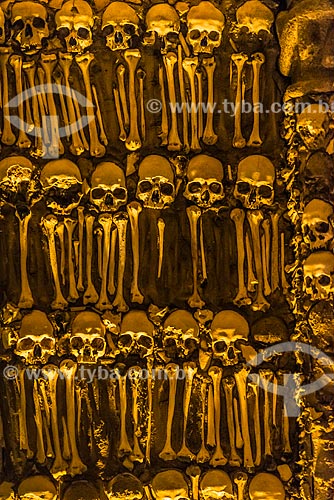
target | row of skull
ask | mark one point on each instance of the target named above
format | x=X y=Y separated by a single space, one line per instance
x=122 y=25
x=169 y=484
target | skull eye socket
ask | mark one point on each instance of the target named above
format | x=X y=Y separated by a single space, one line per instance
x=129 y=29
x=145 y=341
x=77 y=343
x=145 y=186
x=98 y=193
x=108 y=30
x=215 y=187
x=83 y=33
x=172 y=37
x=25 y=344
x=265 y=191
x=38 y=22
x=194 y=187
x=194 y=34
x=63 y=32
x=125 y=340
x=98 y=344
x=308 y=281
x=322 y=227
x=243 y=187
x=47 y=343
x=18 y=25
x=169 y=342
x=214 y=36
x=324 y=280
x=167 y=188
x=120 y=193
x=220 y=347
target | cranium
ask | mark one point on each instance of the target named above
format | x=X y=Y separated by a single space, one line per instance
x=156 y=182
x=108 y=190
x=6 y=491
x=125 y=487
x=321 y=321
x=120 y=25
x=29 y=28
x=36 y=342
x=313 y=126
x=181 y=334
x=79 y=490
x=2 y=27
x=266 y=486
x=62 y=183
x=204 y=181
x=318 y=175
x=162 y=20
x=255 y=182
x=319 y=275
x=317 y=224
x=216 y=484
x=17 y=186
x=37 y=488
x=87 y=337
x=74 y=22
x=136 y=335
x=254 y=16
x=270 y=330
x=205 y=27
x=227 y=328
x=170 y=485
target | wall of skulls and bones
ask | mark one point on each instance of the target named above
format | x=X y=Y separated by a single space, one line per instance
x=141 y=241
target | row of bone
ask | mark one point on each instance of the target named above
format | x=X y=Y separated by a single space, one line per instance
x=171 y=484
x=121 y=25
x=237 y=396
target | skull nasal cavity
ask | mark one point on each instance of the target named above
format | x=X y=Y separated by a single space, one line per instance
x=72 y=41
x=204 y=42
x=155 y=196
x=28 y=31
x=109 y=199
x=230 y=353
x=205 y=196
x=118 y=37
x=37 y=351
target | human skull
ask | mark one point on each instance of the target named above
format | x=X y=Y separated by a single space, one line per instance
x=62 y=184
x=170 y=485
x=313 y=126
x=87 y=340
x=136 y=336
x=162 y=20
x=255 y=182
x=79 y=490
x=36 y=342
x=29 y=28
x=317 y=224
x=181 y=334
x=125 y=487
x=205 y=27
x=319 y=276
x=2 y=27
x=204 y=181
x=108 y=190
x=216 y=484
x=318 y=175
x=120 y=26
x=265 y=486
x=227 y=328
x=17 y=185
x=74 y=22
x=37 y=488
x=156 y=187
x=254 y=16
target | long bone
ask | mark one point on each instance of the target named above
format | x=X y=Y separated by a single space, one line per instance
x=238 y=217
x=284 y=282
x=26 y=299
x=174 y=143
x=70 y=225
x=58 y=81
x=24 y=440
x=167 y=452
x=105 y=220
x=40 y=450
x=216 y=373
x=111 y=271
x=65 y=63
x=238 y=139
x=66 y=440
x=241 y=381
x=133 y=142
x=161 y=237
x=16 y=62
x=274 y=252
x=255 y=218
x=141 y=77
x=99 y=238
x=183 y=99
x=240 y=480
x=124 y=447
x=68 y=369
x=122 y=133
x=41 y=81
x=190 y=371
x=266 y=233
x=29 y=68
x=8 y=136
x=251 y=278
x=193 y=214
x=202 y=250
x=194 y=472
x=29 y=121
x=190 y=65
x=103 y=136
x=238 y=437
x=136 y=455
x=164 y=116
x=228 y=384
x=134 y=209
x=200 y=102
x=120 y=71
x=257 y=61
x=254 y=384
x=149 y=410
x=84 y=61
x=266 y=377
x=211 y=435
x=209 y=135
x=49 y=224
x=41 y=97
x=264 y=251
x=80 y=125
x=81 y=225
x=203 y=455
x=90 y=295
x=121 y=222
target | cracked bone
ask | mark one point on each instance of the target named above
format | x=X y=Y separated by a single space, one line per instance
x=81 y=224
x=251 y=278
x=8 y=136
x=190 y=65
x=241 y=381
x=190 y=371
x=194 y=213
x=133 y=142
x=60 y=231
x=26 y=300
x=254 y=384
x=49 y=224
x=264 y=258
x=228 y=384
x=238 y=139
x=105 y=220
x=29 y=68
x=161 y=233
x=167 y=452
x=238 y=217
x=274 y=252
x=120 y=72
x=136 y=455
x=258 y=60
x=255 y=218
x=174 y=143
x=194 y=472
x=238 y=437
x=216 y=374
x=70 y=225
x=103 y=136
x=240 y=480
x=134 y=209
x=16 y=62
x=164 y=115
x=124 y=447
x=121 y=222
x=90 y=295
x=209 y=135
x=141 y=77
x=122 y=133
x=40 y=450
x=183 y=98
x=68 y=369
x=203 y=455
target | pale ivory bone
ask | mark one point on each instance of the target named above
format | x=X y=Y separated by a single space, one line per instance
x=190 y=371
x=238 y=217
x=194 y=213
x=216 y=373
x=134 y=209
x=258 y=60
x=238 y=139
x=132 y=57
x=167 y=452
x=91 y=295
x=26 y=300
